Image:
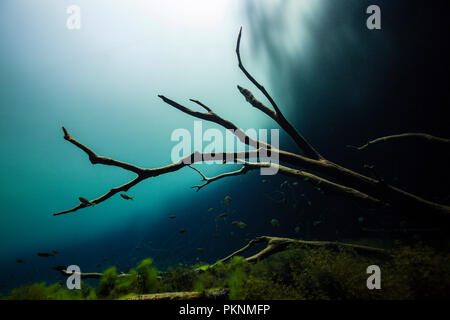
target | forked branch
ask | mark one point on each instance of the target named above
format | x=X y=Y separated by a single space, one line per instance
x=276 y=244
x=142 y=173
x=277 y=115
x=346 y=182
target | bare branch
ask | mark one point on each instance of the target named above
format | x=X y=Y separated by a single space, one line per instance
x=201 y=104
x=213 y=117
x=276 y=244
x=88 y=275
x=256 y=103
x=277 y=115
x=348 y=183
x=144 y=174
x=323 y=184
x=243 y=170
x=123 y=188
x=94 y=158
x=403 y=136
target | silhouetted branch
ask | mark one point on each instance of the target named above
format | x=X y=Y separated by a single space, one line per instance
x=207 y=180
x=143 y=174
x=346 y=182
x=277 y=115
x=86 y=275
x=276 y=244
x=406 y=136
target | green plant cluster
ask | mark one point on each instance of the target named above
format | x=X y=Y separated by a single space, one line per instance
x=304 y=273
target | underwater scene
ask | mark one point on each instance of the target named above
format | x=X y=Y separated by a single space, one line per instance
x=224 y=150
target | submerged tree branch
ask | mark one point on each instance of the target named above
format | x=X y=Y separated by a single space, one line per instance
x=142 y=173
x=406 y=136
x=88 y=275
x=276 y=244
x=277 y=115
x=345 y=182
x=242 y=170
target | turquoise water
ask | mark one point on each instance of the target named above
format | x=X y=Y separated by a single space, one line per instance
x=335 y=81
x=101 y=82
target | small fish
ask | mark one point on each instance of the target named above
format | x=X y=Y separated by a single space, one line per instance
x=284 y=183
x=55 y=251
x=200 y=250
x=45 y=254
x=361 y=219
x=86 y=202
x=316 y=223
x=172 y=217
x=220 y=216
x=297 y=229
x=275 y=222
x=295 y=183
x=210 y=210
x=264 y=181
x=235 y=223
x=59 y=268
x=20 y=261
x=123 y=195
x=239 y=224
x=182 y=231
x=227 y=199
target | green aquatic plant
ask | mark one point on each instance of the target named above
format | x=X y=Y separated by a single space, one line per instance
x=142 y=280
x=107 y=282
x=39 y=291
x=148 y=276
x=298 y=272
x=178 y=279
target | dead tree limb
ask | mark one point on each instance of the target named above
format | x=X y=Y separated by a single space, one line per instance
x=142 y=173
x=276 y=244
x=339 y=179
x=406 y=136
x=244 y=169
x=277 y=115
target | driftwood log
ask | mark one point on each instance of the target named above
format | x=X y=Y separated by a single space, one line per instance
x=333 y=177
x=216 y=294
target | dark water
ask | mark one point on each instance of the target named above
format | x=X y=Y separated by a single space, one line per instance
x=336 y=81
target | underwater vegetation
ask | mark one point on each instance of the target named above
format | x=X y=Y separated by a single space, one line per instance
x=312 y=273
